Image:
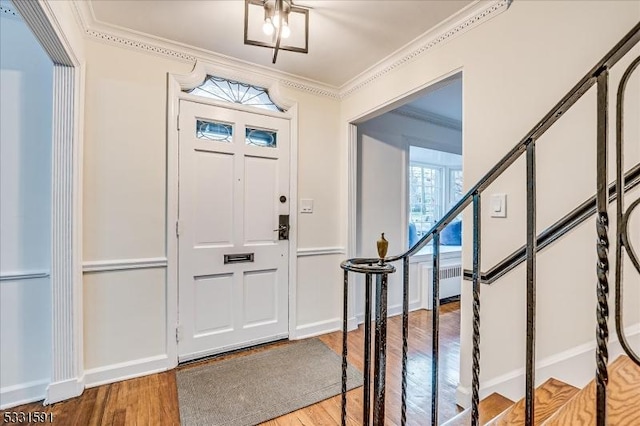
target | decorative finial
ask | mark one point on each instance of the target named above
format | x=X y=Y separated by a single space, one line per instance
x=383 y=245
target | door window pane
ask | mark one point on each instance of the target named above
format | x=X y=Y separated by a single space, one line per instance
x=455 y=182
x=426 y=196
x=214 y=131
x=222 y=89
x=263 y=138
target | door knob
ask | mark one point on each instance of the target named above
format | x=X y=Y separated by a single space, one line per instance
x=283 y=229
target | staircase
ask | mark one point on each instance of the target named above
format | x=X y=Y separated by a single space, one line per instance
x=613 y=397
x=560 y=404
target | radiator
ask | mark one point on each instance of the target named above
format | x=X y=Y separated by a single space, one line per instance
x=450 y=281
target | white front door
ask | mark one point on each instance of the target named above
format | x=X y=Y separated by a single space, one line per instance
x=233 y=195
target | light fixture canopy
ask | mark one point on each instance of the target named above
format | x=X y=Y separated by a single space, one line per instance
x=268 y=23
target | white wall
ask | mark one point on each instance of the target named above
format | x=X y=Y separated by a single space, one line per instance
x=515 y=68
x=25 y=214
x=125 y=322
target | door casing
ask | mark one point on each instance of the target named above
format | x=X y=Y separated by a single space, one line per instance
x=175 y=86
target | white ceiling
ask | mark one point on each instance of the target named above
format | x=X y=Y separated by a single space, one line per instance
x=446 y=101
x=346 y=37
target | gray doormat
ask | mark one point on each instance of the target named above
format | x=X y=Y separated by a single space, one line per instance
x=251 y=389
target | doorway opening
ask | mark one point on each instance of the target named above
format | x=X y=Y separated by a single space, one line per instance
x=44 y=211
x=409 y=173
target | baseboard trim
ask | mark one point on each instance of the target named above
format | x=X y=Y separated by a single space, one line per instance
x=24 y=393
x=575 y=366
x=394 y=310
x=66 y=389
x=317 y=328
x=125 y=370
x=463 y=396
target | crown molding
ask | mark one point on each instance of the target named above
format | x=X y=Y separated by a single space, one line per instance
x=471 y=16
x=428 y=116
x=125 y=37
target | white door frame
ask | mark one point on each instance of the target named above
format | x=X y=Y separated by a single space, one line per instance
x=67 y=370
x=175 y=86
x=355 y=302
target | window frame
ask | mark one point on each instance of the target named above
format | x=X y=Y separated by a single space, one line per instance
x=446 y=196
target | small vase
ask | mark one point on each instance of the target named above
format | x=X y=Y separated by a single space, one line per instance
x=383 y=245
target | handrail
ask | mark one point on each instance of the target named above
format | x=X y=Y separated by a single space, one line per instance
x=610 y=59
x=555 y=231
x=380 y=268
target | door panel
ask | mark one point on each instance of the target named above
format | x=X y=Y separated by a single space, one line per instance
x=233 y=269
x=261 y=195
x=214 y=181
x=213 y=304
x=260 y=290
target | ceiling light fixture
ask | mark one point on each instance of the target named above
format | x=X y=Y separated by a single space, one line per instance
x=279 y=20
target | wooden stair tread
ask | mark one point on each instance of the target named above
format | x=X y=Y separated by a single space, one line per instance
x=489 y=407
x=623 y=399
x=548 y=397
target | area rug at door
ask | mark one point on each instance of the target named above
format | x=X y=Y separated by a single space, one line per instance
x=251 y=389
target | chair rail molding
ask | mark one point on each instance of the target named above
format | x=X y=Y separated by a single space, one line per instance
x=320 y=251
x=92 y=266
x=23 y=275
x=471 y=16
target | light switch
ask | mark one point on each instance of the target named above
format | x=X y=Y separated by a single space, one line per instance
x=306 y=206
x=498 y=205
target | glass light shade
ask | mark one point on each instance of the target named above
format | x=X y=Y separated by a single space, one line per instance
x=276 y=19
x=286 y=31
x=267 y=27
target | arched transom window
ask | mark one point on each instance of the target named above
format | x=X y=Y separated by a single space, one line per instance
x=225 y=90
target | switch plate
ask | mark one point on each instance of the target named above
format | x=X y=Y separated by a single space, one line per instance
x=306 y=206
x=498 y=205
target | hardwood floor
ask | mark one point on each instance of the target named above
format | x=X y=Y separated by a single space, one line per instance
x=153 y=400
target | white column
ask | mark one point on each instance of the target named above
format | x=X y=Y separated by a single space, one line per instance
x=66 y=272
x=65 y=368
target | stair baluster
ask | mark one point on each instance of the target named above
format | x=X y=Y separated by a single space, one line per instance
x=602 y=248
x=405 y=337
x=475 y=379
x=435 y=328
x=530 y=367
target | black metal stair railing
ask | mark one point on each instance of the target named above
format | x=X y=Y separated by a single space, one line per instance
x=554 y=232
x=381 y=267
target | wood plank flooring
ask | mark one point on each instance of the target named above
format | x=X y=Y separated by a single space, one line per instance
x=153 y=400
